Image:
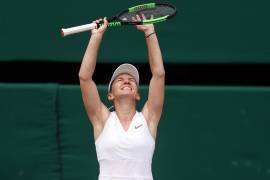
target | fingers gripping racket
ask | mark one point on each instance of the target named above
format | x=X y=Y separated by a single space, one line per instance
x=153 y=13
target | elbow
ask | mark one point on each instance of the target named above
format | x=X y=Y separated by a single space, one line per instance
x=83 y=77
x=160 y=73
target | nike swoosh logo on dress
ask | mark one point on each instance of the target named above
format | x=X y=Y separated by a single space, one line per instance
x=136 y=127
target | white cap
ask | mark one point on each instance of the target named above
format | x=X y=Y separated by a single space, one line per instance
x=125 y=68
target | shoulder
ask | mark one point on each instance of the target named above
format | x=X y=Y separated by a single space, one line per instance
x=98 y=128
x=152 y=125
x=150 y=116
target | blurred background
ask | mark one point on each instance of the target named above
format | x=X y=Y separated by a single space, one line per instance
x=215 y=123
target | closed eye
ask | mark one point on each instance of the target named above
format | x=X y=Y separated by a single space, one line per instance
x=119 y=79
x=132 y=79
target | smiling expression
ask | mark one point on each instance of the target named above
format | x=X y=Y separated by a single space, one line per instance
x=124 y=85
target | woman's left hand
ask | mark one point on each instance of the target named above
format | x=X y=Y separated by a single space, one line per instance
x=147 y=28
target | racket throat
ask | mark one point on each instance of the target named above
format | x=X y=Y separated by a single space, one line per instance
x=111 y=24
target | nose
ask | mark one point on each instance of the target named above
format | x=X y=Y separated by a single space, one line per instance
x=126 y=81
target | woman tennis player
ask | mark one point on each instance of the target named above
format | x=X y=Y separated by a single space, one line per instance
x=124 y=138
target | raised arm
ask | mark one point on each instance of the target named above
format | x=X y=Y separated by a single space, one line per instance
x=153 y=107
x=96 y=110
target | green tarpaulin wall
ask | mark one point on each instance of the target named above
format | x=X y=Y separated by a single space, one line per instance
x=28 y=132
x=205 y=133
x=202 y=32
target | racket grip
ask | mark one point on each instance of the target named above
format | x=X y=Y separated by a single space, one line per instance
x=77 y=29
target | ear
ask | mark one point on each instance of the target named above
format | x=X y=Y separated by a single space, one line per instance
x=138 y=97
x=110 y=96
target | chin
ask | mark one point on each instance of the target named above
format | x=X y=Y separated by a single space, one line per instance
x=131 y=95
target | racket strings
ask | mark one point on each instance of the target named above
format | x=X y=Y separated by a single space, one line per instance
x=150 y=13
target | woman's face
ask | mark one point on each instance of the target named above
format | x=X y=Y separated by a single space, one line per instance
x=124 y=85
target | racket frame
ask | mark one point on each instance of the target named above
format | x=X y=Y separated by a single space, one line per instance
x=115 y=21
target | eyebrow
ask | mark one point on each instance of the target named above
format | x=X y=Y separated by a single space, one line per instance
x=128 y=78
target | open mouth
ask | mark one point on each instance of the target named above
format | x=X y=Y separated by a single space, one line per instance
x=126 y=88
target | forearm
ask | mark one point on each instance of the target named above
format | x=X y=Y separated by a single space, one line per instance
x=90 y=57
x=154 y=54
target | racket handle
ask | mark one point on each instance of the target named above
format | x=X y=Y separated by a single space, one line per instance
x=77 y=29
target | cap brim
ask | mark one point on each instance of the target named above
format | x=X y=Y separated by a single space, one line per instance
x=125 y=69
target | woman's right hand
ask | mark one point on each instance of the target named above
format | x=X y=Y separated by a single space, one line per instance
x=101 y=30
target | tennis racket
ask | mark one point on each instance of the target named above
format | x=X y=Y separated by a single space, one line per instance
x=153 y=12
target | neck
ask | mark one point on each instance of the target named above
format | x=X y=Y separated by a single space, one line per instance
x=125 y=109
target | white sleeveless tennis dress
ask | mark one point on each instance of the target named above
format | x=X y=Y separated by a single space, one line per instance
x=125 y=155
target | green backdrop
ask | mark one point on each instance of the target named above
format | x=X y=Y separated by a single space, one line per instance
x=29 y=132
x=204 y=133
x=202 y=32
